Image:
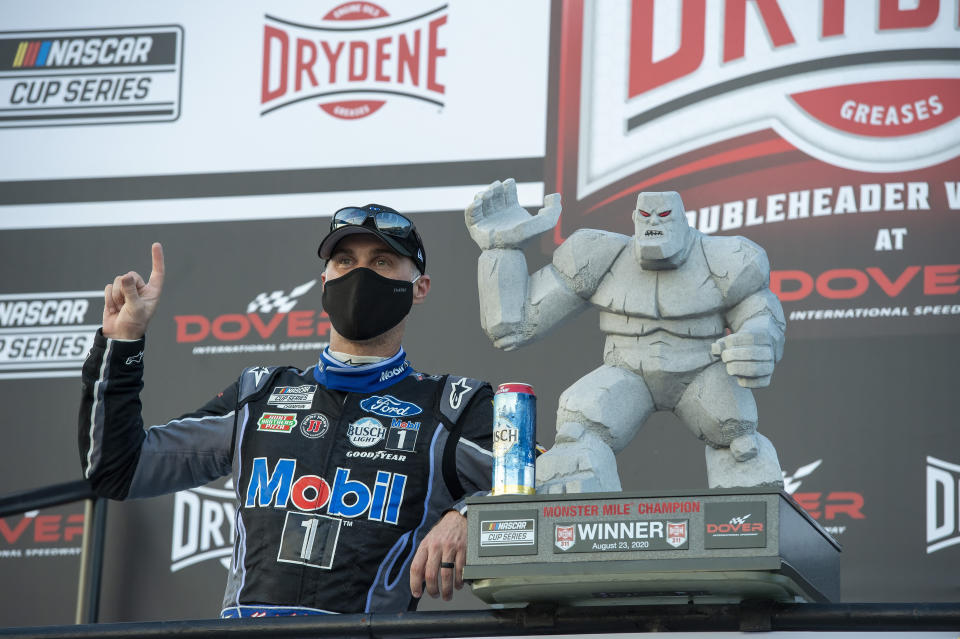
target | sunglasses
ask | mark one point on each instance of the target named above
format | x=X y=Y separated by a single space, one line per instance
x=384 y=220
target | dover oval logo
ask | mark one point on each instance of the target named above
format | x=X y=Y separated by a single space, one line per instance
x=366 y=432
x=358 y=50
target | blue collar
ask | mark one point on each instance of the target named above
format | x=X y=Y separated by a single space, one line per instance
x=367 y=378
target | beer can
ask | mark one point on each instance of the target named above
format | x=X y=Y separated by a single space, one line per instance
x=514 y=437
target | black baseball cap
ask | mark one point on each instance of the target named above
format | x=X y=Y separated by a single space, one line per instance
x=396 y=231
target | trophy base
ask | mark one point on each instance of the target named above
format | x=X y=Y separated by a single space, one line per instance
x=712 y=546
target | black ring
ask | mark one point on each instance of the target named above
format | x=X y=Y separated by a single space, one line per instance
x=447 y=564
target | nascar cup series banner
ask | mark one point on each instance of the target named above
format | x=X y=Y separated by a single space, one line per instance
x=824 y=130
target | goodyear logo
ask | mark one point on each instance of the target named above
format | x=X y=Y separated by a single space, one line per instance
x=90 y=76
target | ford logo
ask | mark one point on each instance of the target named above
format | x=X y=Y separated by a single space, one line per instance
x=389 y=406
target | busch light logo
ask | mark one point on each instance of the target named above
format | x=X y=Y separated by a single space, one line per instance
x=366 y=432
x=389 y=406
x=346 y=498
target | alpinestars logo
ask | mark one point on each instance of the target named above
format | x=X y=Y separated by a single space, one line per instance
x=270 y=317
x=833 y=510
x=457 y=391
x=943 y=514
x=355 y=59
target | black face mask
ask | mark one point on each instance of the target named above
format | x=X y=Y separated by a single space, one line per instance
x=363 y=304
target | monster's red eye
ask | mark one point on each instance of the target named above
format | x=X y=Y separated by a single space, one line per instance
x=665 y=213
x=644 y=213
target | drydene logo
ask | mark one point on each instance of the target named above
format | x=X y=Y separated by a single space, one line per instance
x=354 y=60
x=204 y=526
x=699 y=73
x=47 y=334
x=943 y=515
x=90 y=76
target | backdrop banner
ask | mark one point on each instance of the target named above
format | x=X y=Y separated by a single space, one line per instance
x=825 y=131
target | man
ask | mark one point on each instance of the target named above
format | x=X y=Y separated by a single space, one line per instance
x=350 y=475
x=690 y=323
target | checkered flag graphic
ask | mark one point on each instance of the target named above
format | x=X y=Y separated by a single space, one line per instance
x=278 y=301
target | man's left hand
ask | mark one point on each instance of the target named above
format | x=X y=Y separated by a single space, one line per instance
x=445 y=544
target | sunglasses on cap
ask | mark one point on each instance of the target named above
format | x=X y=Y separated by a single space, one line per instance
x=393 y=228
x=384 y=219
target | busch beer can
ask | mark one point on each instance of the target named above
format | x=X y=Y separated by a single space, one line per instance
x=514 y=435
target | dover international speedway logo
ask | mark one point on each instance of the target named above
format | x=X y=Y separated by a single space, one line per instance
x=90 y=76
x=355 y=59
x=270 y=317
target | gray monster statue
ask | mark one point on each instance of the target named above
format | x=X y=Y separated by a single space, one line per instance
x=690 y=324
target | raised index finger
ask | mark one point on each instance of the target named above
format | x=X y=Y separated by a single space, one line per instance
x=156 y=274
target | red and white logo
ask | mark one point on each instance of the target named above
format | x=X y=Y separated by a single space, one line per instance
x=847 y=84
x=676 y=533
x=833 y=509
x=270 y=316
x=353 y=60
x=661 y=94
x=565 y=537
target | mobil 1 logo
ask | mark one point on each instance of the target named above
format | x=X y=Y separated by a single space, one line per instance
x=309 y=540
x=735 y=525
x=508 y=532
x=402 y=435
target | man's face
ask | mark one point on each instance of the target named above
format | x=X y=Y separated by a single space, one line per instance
x=661 y=231
x=369 y=251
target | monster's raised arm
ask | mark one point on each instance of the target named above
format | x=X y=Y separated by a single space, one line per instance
x=517 y=308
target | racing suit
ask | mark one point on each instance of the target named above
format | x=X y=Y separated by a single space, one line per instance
x=335 y=488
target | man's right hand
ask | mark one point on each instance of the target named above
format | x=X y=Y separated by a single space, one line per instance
x=495 y=218
x=129 y=303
